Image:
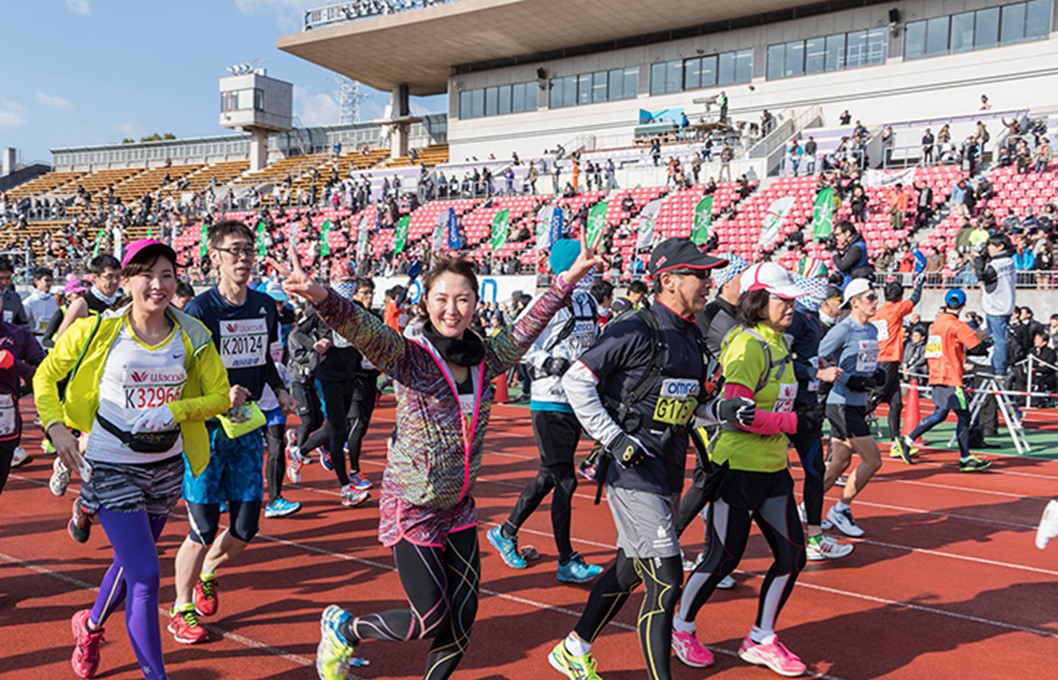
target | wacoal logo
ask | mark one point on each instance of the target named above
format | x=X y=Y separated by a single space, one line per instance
x=139 y=376
x=232 y=327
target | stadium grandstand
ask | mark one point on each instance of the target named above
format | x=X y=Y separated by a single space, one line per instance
x=668 y=102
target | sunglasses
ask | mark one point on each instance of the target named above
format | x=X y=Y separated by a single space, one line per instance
x=700 y=274
x=872 y=297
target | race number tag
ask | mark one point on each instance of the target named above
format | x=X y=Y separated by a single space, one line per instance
x=9 y=316
x=813 y=384
x=149 y=388
x=677 y=400
x=7 y=415
x=934 y=347
x=883 y=329
x=866 y=356
x=785 y=401
x=243 y=342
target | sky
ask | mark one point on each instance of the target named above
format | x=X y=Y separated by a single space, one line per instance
x=85 y=72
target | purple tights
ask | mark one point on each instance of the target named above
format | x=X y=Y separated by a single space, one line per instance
x=135 y=571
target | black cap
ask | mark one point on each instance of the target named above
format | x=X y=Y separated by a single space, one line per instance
x=680 y=253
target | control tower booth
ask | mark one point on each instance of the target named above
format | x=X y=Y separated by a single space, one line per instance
x=252 y=102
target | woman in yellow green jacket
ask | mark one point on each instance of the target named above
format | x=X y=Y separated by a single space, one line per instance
x=142 y=382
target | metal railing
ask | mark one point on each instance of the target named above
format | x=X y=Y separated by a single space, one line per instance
x=355 y=10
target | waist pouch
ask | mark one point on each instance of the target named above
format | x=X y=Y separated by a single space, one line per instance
x=142 y=442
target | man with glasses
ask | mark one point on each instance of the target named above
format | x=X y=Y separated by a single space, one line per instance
x=636 y=391
x=244 y=324
x=852 y=344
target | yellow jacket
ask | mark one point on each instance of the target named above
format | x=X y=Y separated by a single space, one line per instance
x=83 y=349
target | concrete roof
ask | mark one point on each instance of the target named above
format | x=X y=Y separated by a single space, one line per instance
x=420 y=47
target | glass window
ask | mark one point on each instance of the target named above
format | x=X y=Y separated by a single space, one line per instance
x=584 y=89
x=505 y=99
x=477 y=103
x=657 y=78
x=962 y=32
x=937 y=36
x=857 y=49
x=795 y=58
x=492 y=100
x=692 y=73
x=569 y=91
x=518 y=98
x=1038 y=19
x=708 y=73
x=464 y=104
x=815 y=53
x=877 y=45
x=631 y=78
x=673 y=76
x=616 y=84
x=986 y=28
x=835 y=57
x=598 y=87
x=776 y=61
x=1012 y=26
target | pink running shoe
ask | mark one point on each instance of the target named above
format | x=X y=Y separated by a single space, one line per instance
x=774 y=655
x=85 y=658
x=690 y=651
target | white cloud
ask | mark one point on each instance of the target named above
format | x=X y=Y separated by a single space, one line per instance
x=11 y=114
x=53 y=102
x=314 y=109
x=128 y=129
x=79 y=6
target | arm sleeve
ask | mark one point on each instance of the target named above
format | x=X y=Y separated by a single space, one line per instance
x=916 y=294
x=831 y=345
x=582 y=391
x=765 y=423
x=213 y=378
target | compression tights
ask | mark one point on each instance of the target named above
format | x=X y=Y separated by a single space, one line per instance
x=728 y=533
x=810 y=450
x=662 y=578
x=134 y=571
x=442 y=589
x=962 y=428
x=561 y=479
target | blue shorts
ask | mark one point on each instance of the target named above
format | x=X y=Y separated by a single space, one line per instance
x=233 y=472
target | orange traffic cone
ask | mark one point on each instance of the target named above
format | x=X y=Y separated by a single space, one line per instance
x=912 y=414
x=500 y=385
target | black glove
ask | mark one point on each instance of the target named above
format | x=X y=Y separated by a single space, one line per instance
x=737 y=411
x=627 y=450
x=556 y=366
x=810 y=419
x=861 y=383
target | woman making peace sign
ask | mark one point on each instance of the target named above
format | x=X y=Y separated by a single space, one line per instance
x=444 y=396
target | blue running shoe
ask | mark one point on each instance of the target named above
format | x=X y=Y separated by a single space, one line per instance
x=359 y=483
x=507 y=547
x=281 y=507
x=325 y=459
x=335 y=654
x=577 y=570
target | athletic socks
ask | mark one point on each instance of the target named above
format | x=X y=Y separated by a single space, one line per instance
x=681 y=626
x=815 y=540
x=759 y=635
x=207 y=575
x=577 y=647
x=841 y=506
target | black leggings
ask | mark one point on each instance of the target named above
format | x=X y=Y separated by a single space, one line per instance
x=364 y=395
x=337 y=402
x=810 y=450
x=662 y=577
x=442 y=589
x=7 y=452
x=889 y=393
x=728 y=534
x=557 y=435
x=275 y=466
x=310 y=412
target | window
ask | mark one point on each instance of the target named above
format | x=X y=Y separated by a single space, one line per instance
x=477 y=103
x=877 y=46
x=828 y=53
x=1012 y=25
x=986 y=28
x=937 y=36
x=707 y=77
x=598 y=87
x=835 y=57
x=962 y=32
x=815 y=55
x=242 y=100
x=616 y=85
x=857 y=49
x=776 y=61
x=631 y=78
x=1037 y=19
x=504 y=99
x=518 y=96
x=692 y=74
x=795 y=58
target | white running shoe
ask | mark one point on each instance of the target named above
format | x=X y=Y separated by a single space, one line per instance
x=727 y=583
x=60 y=477
x=844 y=522
x=827 y=549
x=824 y=524
x=1048 y=528
x=20 y=457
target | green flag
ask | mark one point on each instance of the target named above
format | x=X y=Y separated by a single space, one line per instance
x=325 y=239
x=261 y=247
x=823 y=214
x=203 y=241
x=703 y=218
x=401 y=238
x=99 y=242
x=501 y=224
x=596 y=222
x=773 y=220
x=149 y=230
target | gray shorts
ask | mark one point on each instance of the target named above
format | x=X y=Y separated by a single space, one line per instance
x=154 y=488
x=644 y=522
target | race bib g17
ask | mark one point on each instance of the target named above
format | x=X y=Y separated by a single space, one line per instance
x=934 y=347
x=677 y=400
x=243 y=342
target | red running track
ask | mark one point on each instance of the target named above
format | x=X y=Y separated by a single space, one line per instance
x=947 y=582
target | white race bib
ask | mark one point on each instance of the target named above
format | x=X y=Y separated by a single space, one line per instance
x=866 y=356
x=883 y=329
x=784 y=403
x=813 y=384
x=7 y=415
x=149 y=388
x=934 y=347
x=243 y=342
x=9 y=316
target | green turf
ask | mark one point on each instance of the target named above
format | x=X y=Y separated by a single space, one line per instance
x=1043 y=443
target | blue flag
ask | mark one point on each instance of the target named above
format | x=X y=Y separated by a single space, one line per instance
x=453 y=230
x=556 y=226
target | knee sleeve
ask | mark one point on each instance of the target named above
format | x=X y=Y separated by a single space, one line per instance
x=205 y=520
x=245 y=518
